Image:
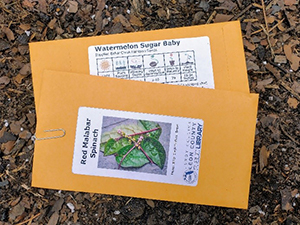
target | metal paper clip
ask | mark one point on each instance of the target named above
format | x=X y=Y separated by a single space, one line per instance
x=52 y=137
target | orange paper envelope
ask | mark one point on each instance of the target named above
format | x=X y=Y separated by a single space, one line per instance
x=190 y=145
x=209 y=56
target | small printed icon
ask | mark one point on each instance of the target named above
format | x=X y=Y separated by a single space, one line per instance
x=188 y=59
x=120 y=64
x=135 y=63
x=190 y=176
x=172 y=61
x=105 y=65
x=154 y=61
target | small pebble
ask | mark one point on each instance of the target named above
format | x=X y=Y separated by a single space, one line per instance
x=71 y=206
x=78 y=30
x=117 y=212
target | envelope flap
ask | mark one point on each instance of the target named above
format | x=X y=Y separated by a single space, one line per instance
x=228 y=135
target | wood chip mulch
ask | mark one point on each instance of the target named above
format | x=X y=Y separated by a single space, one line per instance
x=271 y=34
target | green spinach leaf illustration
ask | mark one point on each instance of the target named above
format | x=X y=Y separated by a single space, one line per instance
x=135 y=145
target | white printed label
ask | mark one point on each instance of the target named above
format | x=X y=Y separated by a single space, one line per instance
x=185 y=61
x=137 y=146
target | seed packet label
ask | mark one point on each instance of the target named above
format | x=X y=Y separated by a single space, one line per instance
x=137 y=146
x=185 y=61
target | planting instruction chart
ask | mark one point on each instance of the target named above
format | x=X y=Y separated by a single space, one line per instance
x=185 y=61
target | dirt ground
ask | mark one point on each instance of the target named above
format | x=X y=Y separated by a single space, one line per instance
x=271 y=33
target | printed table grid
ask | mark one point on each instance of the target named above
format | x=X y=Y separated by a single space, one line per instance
x=167 y=67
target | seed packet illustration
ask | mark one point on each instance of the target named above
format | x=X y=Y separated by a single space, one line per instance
x=166 y=142
x=130 y=145
x=209 y=56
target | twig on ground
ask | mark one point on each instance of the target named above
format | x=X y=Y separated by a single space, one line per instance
x=211 y=17
x=268 y=39
x=287 y=87
x=266 y=29
x=272 y=28
x=29 y=221
x=242 y=12
x=289 y=136
x=276 y=74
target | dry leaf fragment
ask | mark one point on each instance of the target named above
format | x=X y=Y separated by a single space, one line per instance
x=252 y=66
x=227 y=5
x=31 y=118
x=57 y=206
x=270 y=19
x=16 y=211
x=122 y=19
x=100 y=5
x=42 y=6
x=15 y=128
x=73 y=7
x=275 y=133
x=99 y=21
x=135 y=21
x=290 y=2
x=222 y=18
x=26 y=69
x=4 y=80
x=263 y=157
x=249 y=45
x=9 y=34
x=268 y=120
x=293 y=103
x=295 y=62
x=263 y=83
x=281 y=27
x=59 y=30
x=25 y=134
x=294 y=192
x=5 y=136
x=257 y=221
x=203 y=4
x=156 y=2
x=7 y=147
x=150 y=203
x=137 y=5
x=28 y=3
x=296 y=86
x=286 y=200
x=25 y=26
x=53 y=219
x=197 y=18
x=161 y=13
x=4 y=45
x=293 y=58
x=52 y=23
x=288 y=52
x=116 y=28
x=280 y=59
x=15 y=202
x=19 y=78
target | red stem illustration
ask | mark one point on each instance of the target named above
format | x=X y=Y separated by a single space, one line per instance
x=136 y=144
x=140 y=147
x=125 y=156
x=130 y=135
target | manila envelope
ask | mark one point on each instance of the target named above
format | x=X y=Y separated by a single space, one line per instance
x=224 y=122
x=223 y=61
